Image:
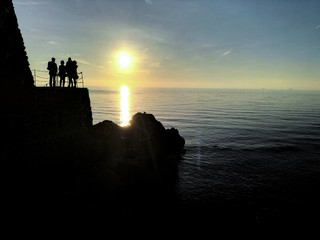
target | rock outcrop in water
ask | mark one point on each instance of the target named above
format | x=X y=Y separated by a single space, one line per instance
x=144 y=152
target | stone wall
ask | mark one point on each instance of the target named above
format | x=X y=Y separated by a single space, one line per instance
x=62 y=109
x=44 y=114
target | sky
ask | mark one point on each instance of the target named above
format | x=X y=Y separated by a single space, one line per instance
x=178 y=43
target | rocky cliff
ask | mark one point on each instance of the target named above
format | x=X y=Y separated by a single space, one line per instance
x=15 y=71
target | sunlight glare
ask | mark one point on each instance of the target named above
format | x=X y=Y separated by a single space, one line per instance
x=125 y=114
x=124 y=60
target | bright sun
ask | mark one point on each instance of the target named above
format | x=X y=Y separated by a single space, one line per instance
x=124 y=60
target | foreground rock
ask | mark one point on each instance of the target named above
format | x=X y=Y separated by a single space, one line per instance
x=106 y=164
x=144 y=153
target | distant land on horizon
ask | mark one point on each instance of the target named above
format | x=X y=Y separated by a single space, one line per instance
x=199 y=88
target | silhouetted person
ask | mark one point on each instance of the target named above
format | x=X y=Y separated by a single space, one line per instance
x=52 y=67
x=69 y=69
x=62 y=73
x=75 y=74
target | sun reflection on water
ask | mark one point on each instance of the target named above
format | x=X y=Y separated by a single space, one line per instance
x=124 y=102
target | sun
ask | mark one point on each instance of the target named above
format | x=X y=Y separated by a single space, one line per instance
x=124 y=60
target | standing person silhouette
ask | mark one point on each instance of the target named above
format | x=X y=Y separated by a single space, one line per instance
x=62 y=73
x=69 y=69
x=52 y=67
x=75 y=74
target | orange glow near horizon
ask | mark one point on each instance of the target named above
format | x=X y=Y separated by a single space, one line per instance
x=124 y=104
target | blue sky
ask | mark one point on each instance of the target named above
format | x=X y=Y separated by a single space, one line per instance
x=179 y=43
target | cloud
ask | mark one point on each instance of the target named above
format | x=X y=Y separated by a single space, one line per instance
x=88 y=63
x=318 y=27
x=83 y=61
x=31 y=3
x=149 y=2
x=226 y=53
x=150 y=34
x=145 y=50
x=53 y=42
x=219 y=55
x=155 y=64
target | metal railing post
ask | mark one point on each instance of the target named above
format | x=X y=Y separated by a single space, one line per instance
x=82 y=80
x=35 y=77
x=44 y=79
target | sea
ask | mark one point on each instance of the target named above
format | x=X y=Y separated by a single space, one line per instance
x=257 y=148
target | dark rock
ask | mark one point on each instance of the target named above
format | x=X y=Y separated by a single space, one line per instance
x=143 y=152
x=175 y=143
x=121 y=166
x=15 y=71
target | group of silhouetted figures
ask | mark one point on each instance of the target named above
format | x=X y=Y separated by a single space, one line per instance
x=70 y=70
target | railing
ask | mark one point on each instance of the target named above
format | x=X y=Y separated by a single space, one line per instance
x=42 y=78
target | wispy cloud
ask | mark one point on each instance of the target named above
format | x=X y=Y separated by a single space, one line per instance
x=145 y=50
x=30 y=2
x=88 y=63
x=83 y=61
x=226 y=53
x=219 y=55
x=155 y=64
x=53 y=42
x=318 y=27
x=148 y=2
x=149 y=34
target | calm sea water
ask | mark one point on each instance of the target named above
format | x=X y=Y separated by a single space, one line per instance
x=241 y=145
